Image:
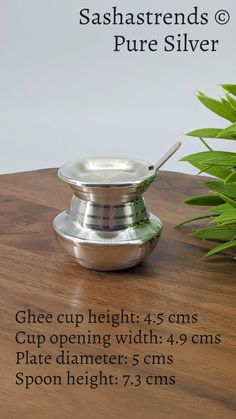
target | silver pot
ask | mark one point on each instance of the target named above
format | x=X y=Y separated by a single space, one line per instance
x=107 y=226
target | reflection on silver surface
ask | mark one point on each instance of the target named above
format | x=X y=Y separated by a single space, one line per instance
x=107 y=226
x=104 y=171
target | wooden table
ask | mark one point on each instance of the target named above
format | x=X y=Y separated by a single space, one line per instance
x=36 y=275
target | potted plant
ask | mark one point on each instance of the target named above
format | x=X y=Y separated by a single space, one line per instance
x=221 y=196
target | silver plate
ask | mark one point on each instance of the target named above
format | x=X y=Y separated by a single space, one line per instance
x=105 y=171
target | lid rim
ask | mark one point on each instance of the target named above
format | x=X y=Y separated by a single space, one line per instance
x=99 y=184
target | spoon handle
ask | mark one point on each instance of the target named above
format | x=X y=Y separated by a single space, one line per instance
x=167 y=155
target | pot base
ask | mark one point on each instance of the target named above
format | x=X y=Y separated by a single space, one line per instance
x=105 y=251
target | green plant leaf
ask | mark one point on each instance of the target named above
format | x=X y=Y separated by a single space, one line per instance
x=221 y=208
x=217 y=171
x=206 y=155
x=194 y=219
x=231 y=88
x=229 y=201
x=229 y=161
x=228 y=215
x=220 y=248
x=196 y=160
x=204 y=200
x=228 y=105
x=217 y=107
x=231 y=100
x=231 y=177
x=228 y=133
x=205 y=132
x=215 y=233
x=227 y=223
x=228 y=189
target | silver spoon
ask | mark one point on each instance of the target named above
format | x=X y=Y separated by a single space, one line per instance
x=166 y=156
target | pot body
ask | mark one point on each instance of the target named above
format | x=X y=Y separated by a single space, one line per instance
x=107 y=226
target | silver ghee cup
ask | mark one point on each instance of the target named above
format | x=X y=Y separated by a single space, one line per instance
x=107 y=226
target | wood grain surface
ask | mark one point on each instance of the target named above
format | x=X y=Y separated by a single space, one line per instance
x=35 y=274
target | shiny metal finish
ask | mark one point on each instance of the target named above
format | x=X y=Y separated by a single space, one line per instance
x=108 y=217
x=107 y=181
x=107 y=226
x=104 y=171
x=167 y=156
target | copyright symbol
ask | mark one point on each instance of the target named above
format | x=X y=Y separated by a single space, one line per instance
x=222 y=17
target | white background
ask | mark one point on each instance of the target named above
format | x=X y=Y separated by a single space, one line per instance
x=64 y=93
